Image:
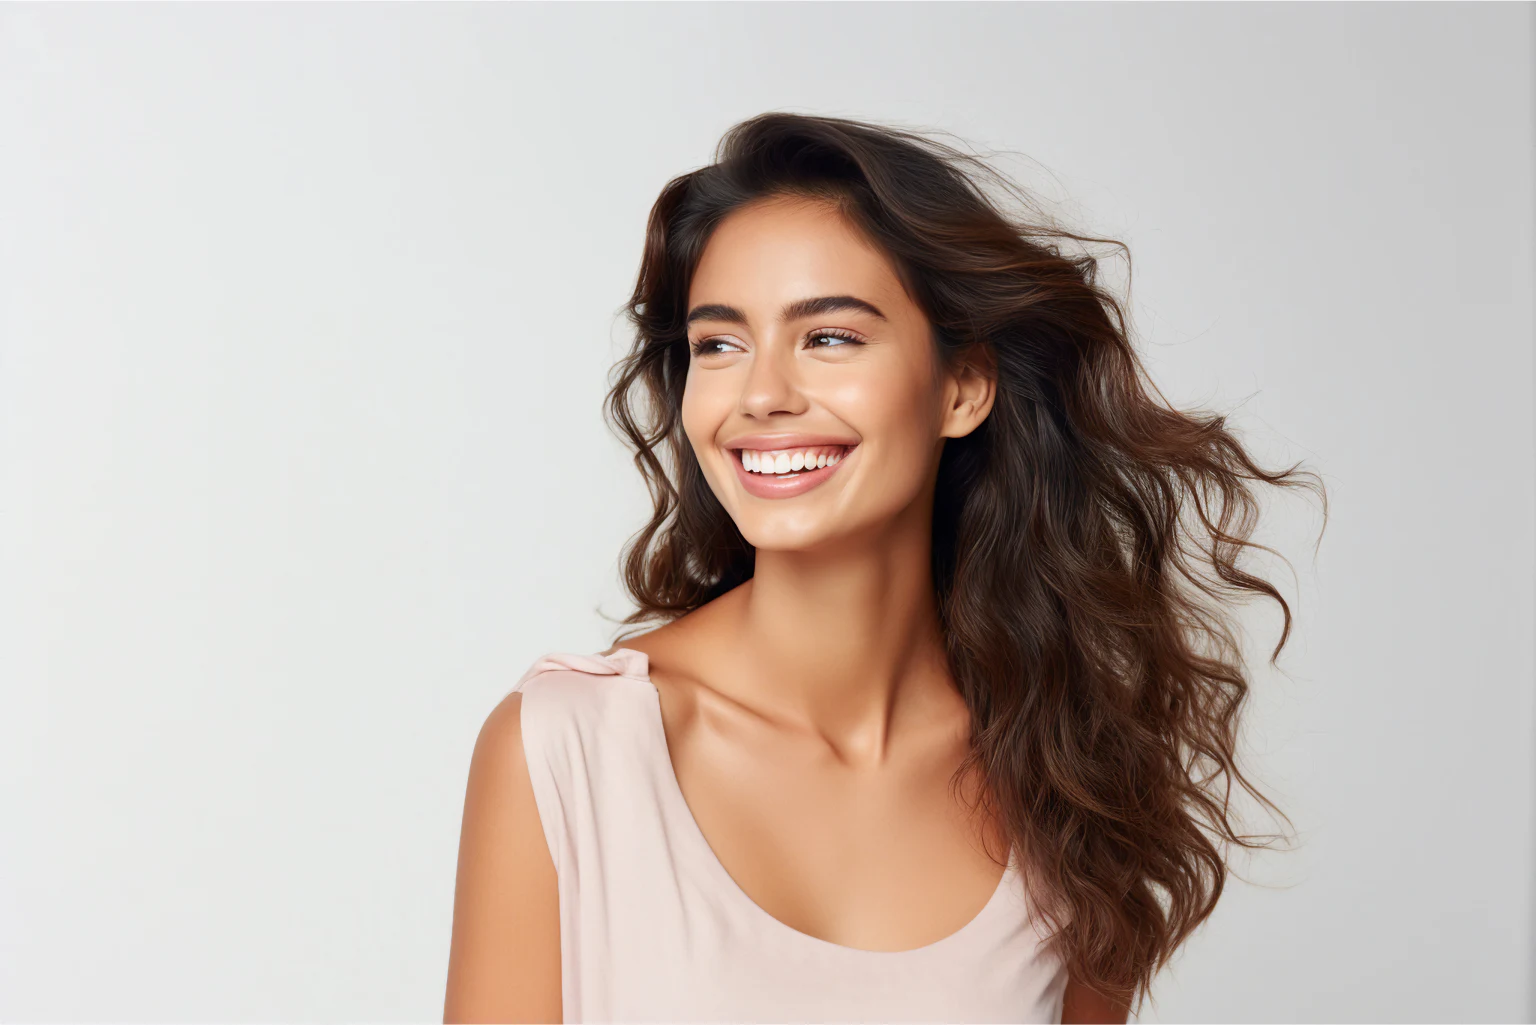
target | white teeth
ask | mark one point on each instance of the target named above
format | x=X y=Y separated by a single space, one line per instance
x=758 y=461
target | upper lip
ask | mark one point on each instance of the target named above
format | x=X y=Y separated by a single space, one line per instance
x=772 y=442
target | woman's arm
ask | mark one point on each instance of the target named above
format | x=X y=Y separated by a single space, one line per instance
x=1083 y=1005
x=504 y=963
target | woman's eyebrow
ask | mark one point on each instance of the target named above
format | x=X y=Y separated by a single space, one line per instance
x=791 y=311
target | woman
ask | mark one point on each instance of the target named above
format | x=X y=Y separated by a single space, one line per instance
x=936 y=725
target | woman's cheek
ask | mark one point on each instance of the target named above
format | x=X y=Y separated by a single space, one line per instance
x=701 y=423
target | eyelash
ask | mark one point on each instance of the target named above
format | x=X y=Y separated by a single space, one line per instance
x=699 y=348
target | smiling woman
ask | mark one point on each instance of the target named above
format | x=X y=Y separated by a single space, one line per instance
x=938 y=718
x=778 y=373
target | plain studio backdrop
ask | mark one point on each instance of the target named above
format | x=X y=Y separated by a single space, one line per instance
x=307 y=316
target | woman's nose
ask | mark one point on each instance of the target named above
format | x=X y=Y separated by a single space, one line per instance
x=772 y=384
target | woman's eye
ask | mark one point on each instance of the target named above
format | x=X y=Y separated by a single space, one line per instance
x=709 y=346
x=831 y=340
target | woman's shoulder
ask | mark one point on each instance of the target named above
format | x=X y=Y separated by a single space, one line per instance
x=576 y=668
x=568 y=693
x=659 y=664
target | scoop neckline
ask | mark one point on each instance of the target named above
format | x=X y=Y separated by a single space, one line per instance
x=706 y=854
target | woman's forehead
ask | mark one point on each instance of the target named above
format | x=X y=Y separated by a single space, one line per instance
x=782 y=249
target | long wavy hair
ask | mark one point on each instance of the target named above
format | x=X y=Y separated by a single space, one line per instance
x=1086 y=536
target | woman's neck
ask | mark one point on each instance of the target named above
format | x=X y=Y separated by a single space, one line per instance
x=845 y=640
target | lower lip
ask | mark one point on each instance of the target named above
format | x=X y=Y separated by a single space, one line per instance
x=784 y=485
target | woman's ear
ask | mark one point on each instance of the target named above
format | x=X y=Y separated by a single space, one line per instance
x=969 y=391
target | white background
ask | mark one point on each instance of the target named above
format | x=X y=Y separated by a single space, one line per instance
x=307 y=312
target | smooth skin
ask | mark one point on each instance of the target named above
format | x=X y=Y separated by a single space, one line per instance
x=811 y=719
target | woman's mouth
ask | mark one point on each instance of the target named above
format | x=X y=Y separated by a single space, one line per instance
x=786 y=472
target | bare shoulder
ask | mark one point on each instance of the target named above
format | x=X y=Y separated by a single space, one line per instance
x=501 y=735
x=504 y=960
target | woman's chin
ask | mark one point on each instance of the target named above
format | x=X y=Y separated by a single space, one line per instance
x=786 y=538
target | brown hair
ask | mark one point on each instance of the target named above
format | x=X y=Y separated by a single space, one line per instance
x=1104 y=690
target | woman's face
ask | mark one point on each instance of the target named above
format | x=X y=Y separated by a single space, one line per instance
x=810 y=361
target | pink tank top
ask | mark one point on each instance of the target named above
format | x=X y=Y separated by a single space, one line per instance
x=653 y=928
